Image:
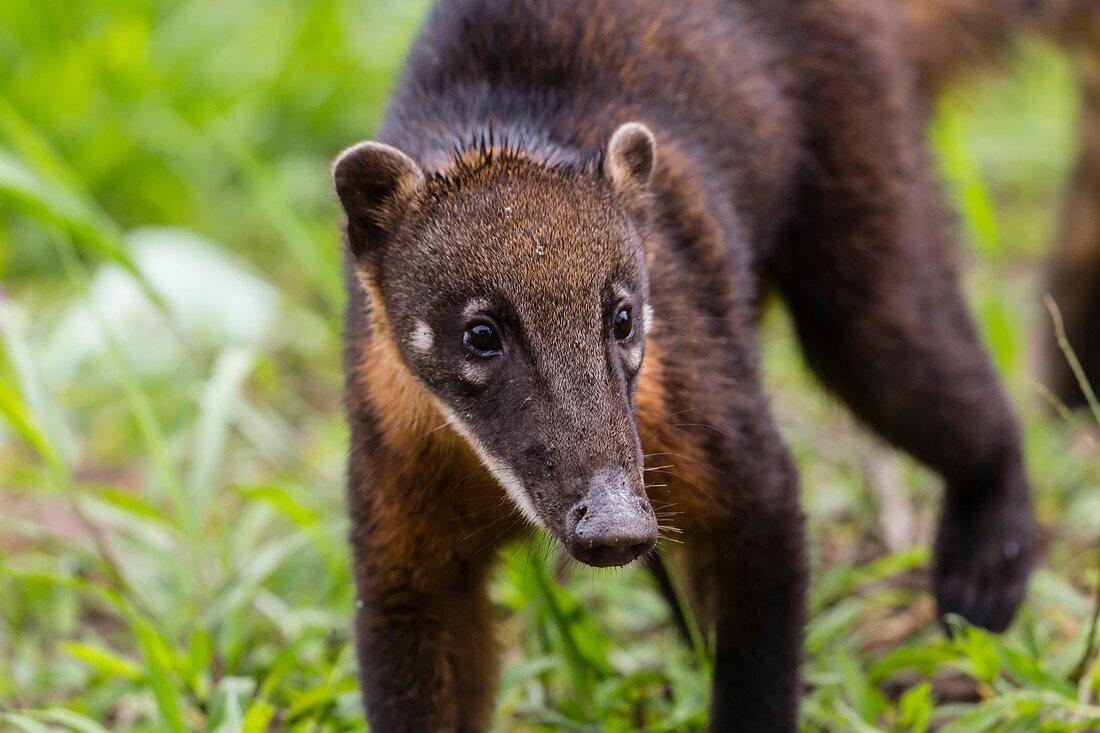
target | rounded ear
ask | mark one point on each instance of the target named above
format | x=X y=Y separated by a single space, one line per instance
x=629 y=160
x=375 y=183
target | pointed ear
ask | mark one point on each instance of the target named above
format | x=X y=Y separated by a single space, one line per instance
x=629 y=160
x=375 y=183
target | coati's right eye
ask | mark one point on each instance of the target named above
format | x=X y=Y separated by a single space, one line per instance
x=624 y=324
x=483 y=339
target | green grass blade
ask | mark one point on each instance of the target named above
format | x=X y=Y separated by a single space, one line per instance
x=24 y=723
x=47 y=202
x=154 y=648
x=1094 y=407
x=698 y=643
x=138 y=401
x=971 y=195
x=102 y=659
x=16 y=413
x=217 y=407
x=579 y=669
x=320 y=261
x=158 y=672
x=72 y=720
x=17 y=351
x=258 y=717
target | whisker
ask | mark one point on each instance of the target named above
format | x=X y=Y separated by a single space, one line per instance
x=487 y=526
x=696 y=461
x=697 y=487
x=517 y=518
x=660 y=423
x=699 y=425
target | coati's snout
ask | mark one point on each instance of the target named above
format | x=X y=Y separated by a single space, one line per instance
x=613 y=524
x=515 y=291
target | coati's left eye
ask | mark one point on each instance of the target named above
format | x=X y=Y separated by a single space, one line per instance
x=624 y=323
x=482 y=338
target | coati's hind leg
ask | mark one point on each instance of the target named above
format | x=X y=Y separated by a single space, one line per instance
x=1075 y=271
x=869 y=278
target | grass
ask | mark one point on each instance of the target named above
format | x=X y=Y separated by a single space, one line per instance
x=172 y=552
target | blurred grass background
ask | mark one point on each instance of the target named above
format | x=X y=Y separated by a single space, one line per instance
x=172 y=551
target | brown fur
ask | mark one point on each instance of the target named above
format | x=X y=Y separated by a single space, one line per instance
x=508 y=192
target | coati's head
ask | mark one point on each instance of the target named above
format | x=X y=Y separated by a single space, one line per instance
x=516 y=292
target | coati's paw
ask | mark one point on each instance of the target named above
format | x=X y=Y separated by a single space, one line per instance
x=983 y=555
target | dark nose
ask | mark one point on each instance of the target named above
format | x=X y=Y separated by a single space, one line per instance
x=613 y=524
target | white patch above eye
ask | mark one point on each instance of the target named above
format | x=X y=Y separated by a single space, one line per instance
x=475 y=306
x=422 y=337
x=647 y=317
x=507 y=478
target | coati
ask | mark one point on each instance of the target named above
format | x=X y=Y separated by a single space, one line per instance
x=556 y=252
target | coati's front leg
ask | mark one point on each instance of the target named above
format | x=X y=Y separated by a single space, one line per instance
x=426 y=656
x=752 y=567
x=869 y=277
x=744 y=553
x=424 y=633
